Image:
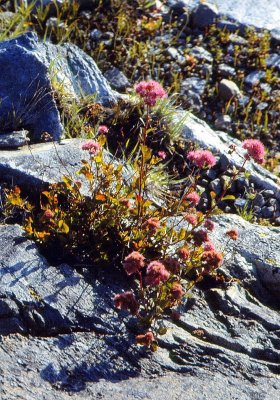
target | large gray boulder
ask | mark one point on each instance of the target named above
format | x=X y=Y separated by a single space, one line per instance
x=226 y=343
x=29 y=67
x=259 y=13
x=35 y=167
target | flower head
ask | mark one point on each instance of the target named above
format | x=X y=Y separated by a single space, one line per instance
x=193 y=198
x=255 y=149
x=184 y=253
x=153 y=224
x=103 y=129
x=208 y=224
x=233 y=234
x=200 y=236
x=208 y=246
x=172 y=265
x=156 y=273
x=177 y=291
x=48 y=214
x=126 y=301
x=146 y=339
x=191 y=219
x=202 y=158
x=150 y=91
x=162 y=154
x=212 y=258
x=91 y=146
x=133 y=262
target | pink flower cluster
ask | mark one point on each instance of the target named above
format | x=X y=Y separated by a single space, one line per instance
x=202 y=158
x=208 y=224
x=162 y=154
x=200 y=236
x=133 y=262
x=255 y=149
x=91 y=146
x=212 y=258
x=150 y=91
x=156 y=273
x=193 y=198
x=208 y=246
x=153 y=224
x=184 y=253
x=48 y=214
x=103 y=129
x=191 y=219
x=177 y=291
x=126 y=301
x=145 y=339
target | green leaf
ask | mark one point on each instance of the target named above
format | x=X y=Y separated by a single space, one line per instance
x=229 y=197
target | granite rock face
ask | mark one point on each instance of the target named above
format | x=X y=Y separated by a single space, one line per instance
x=196 y=130
x=36 y=166
x=78 y=345
x=28 y=69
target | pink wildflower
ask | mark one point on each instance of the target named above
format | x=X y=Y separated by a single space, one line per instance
x=162 y=154
x=156 y=273
x=184 y=253
x=153 y=224
x=150 y=91
x=125 y=202
x=208 y=246
x=126 y=301
x=103 y=129
x=233 y=234
x=177 y=291
x=91 y=146
x=133 y=262
x=208 y=224
x=200 y=237
x=191 y=219
x=146 y=339
x=255 y=149
x=202 y=158
x=212 y=258
x=172 y=265
x=193 y=198
x=48 y=214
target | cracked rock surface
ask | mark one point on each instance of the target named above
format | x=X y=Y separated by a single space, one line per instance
x=61 y=337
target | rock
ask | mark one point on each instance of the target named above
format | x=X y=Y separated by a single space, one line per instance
x=228 y=90
x=227 y=25
x=175 y=55
x=257 y=247
x=95 y=35
x=216 y=186
x=196 y=130
x=258 y=13
x=81 y=346
x=273 y=61
x=275 y=36
x=200 y=54
x=205 y=14
x=193 y=84
x=259 y=200
x=42 y=164
x=223 y=123
x=117 y=79
x=27 y=100
x=58 y=297
x=193 y=99
x=268 y=212
x=226 y=71
x=237 y=40
x=13 y=140
x=254 y=78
